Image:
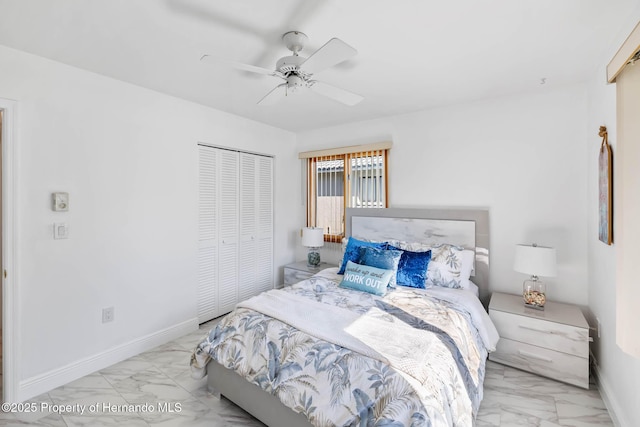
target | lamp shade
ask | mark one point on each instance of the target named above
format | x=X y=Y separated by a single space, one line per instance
x=312 y=237
x=535 y=260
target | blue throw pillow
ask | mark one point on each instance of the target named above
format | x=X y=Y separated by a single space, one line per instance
x=352 y=252
x=365 y=278
x=412 y=268
x=381 y=258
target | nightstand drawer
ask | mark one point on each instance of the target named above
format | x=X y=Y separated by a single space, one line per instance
x=542 y=361
x=299 y=271
x=542 y=333
x=292 y=276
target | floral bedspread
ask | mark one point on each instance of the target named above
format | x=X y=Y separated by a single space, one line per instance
x=334 y=386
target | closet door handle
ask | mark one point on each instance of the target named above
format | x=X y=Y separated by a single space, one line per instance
x=534 y=356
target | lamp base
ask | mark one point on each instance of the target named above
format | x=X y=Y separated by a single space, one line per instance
x=533 y=293
x=313 y=258
x=535 y=307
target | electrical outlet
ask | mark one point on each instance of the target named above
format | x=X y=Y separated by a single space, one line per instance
x=598 y=326
x=107 y=314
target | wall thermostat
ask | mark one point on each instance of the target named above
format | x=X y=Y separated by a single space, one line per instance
x=60 y=202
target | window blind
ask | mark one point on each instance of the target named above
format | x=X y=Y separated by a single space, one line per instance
x=355 y=179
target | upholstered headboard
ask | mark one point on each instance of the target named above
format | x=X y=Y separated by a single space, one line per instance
x=468 y=228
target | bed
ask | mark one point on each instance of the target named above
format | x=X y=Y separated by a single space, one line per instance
x=318 y=354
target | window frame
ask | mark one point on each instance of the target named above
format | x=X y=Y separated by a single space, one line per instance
x=345 y=154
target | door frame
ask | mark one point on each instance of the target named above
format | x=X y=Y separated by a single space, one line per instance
x=10 y=293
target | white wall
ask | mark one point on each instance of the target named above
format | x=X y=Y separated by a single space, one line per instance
x=128 y=158
x=523 y=157
x=618 y=373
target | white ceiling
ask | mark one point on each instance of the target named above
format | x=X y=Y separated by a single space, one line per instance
x=412 y=54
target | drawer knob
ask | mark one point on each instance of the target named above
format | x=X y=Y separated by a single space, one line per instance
x=534 y=356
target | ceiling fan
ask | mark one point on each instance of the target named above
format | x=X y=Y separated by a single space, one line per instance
x=297 y=71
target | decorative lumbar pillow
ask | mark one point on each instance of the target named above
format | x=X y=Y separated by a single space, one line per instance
x=366 y=278
x=381 y=258
x=446 y=267
x=412 y=268
x=352 y=251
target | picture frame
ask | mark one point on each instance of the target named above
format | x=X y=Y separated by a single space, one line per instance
x=605 y=189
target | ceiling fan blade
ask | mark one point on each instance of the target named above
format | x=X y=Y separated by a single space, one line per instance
x=275 y=95
x=333 y=52
x=335 y=93
x=240 y=66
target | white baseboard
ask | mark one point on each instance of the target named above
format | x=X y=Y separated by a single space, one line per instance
x=47 y=381
x=609 y=399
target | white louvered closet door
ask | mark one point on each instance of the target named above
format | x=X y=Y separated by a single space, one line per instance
x=256 y=225
x=248 y=226
x=218 y=232
x=207 y=234
x=228 y=231
x=264 y=259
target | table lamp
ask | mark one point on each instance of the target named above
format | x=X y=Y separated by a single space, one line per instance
x=313 y=238
x=536 y=261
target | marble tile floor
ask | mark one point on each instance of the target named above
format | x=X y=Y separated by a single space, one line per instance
x=512 y=397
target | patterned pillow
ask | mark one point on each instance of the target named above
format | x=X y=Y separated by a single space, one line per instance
x=352 y=252
x=381 y=258
x=412 y=269
x=411 y=246
x=366 y=278
x=445 y=267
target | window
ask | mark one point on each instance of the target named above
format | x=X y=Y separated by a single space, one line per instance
x=353 y=177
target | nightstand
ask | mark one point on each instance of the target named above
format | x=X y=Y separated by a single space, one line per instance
x=294 y=273
x=553 y=342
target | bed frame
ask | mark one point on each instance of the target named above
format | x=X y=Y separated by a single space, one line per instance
x=465 y=227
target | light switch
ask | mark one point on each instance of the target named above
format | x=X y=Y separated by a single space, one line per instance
x=60 y=230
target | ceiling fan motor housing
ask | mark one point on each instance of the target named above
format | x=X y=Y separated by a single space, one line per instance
x=289 y=64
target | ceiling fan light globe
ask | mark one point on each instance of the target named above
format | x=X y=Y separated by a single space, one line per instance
x=294 y=82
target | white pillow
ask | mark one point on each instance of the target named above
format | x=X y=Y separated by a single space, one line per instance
x=343 y=247
x=472 y=287
x=467 y=269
